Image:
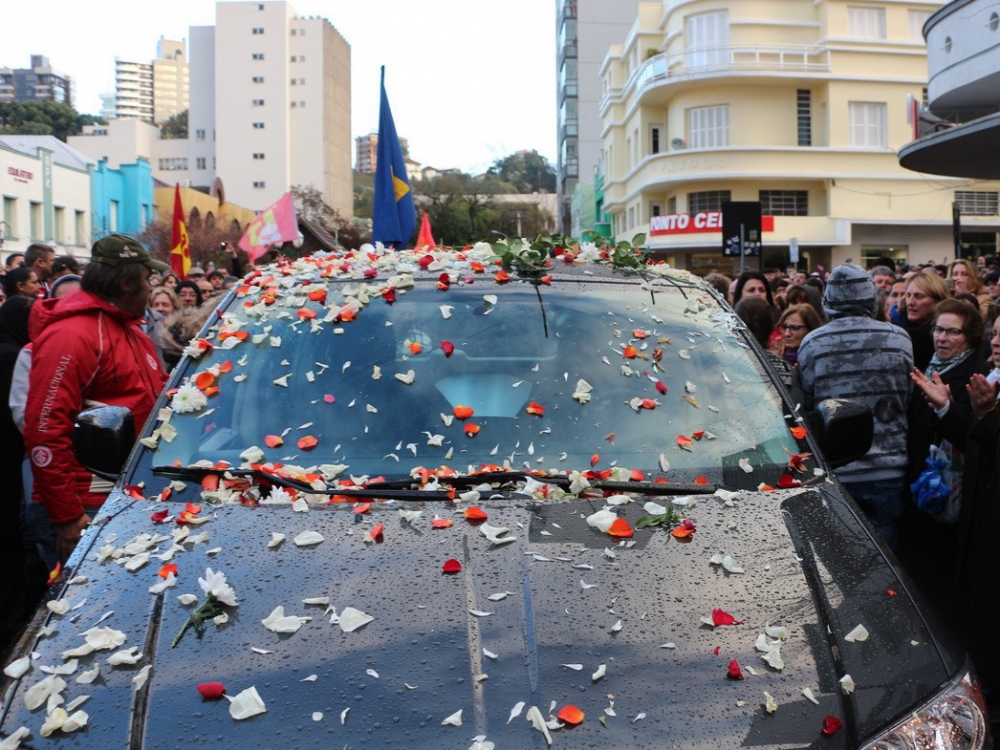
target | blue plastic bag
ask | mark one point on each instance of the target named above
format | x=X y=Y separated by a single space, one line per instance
x=938 y=489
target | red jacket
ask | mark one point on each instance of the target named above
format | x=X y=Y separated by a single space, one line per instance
x=85 y=352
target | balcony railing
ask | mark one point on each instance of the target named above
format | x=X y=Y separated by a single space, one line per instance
x=708 y=60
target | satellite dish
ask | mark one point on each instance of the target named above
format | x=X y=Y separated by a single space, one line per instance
x=218 y=190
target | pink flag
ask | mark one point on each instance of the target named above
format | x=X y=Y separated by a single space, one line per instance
x=272 y=226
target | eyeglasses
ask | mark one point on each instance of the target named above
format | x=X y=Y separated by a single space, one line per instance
x=791 y=328
x=952 y=333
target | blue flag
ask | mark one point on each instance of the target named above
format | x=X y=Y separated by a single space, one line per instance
x=394 y=216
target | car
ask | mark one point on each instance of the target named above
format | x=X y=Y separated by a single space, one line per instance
x=513 y=495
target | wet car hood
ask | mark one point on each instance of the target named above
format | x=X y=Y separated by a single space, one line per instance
x=573 y=596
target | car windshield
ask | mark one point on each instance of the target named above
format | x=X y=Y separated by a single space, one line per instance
x=581 y=374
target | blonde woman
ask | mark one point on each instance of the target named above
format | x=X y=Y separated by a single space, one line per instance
x=966 y=279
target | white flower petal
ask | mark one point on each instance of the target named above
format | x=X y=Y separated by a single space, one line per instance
x=455 y=720
x=18 y=667
x=248 y=703
x=351 y=619
x=769 y=703
x=601 y=671
x=308 y=538
x=745 y=465
x=538 y=722
x=276 y=539
x=809 y=695
x=847 y=684
x=858 y=635
x=140 y=679
x=516 y=711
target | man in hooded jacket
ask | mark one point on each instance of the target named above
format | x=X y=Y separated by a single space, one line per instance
x=88 y=350
x=857 y=357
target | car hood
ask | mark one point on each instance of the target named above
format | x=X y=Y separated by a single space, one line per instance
x=530 y=622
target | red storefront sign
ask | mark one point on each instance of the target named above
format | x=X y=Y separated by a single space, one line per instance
x=705 y=221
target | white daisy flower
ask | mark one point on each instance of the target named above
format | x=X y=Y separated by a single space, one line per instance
x=188 y=399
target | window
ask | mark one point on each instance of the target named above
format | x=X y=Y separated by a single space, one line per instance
x=294 y=32
x=258 y=126
x=672 y=204
x=631 y=217
x=258 y=55
x=917 y=20
x=258 y=79
x=294 y=81
x=803 y=108
x=59 y=223
x=294 y=104
x=173 y=164
x=710 y=200
x=784 y=202
x=655 y=209
x=199 y=162
x=258 y=184
x=258 y=30
x=35 y=216
x=258 y=102
x=977 y=202
x=654 y=139
x=258 y=156
x=708 y=127
x=10 y=216
x=294 y=58
x=707 y=36
x=866 y=23
x=199 y=135
x=867 y=124
x=260 y=7
x=78 y=228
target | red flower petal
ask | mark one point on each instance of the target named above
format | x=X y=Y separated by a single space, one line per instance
x=376 y=531
x=318 y=295
x=719 y=617
x=307 y=443
x=442 y=523
x=595 y=459
x=361 y=508
x=211 y=691
x=787 y=480
x=630 y=352
x=471 y=429
x=570 y=715
x=681 y=533
x=831 y=724
x=160 y=516
x=799 y=433
x=167 y=570
x=451 y=566
x=620 y=528
x=389 y=295
x=329 y=398
x=415 y=348
x=204 y=379
x=463 y=412
x=305 y=313
x=535 y=408
x=502 y=277
x=273 y=441
x=475 y=513
x=638 y=333
x=661 y=386
x=701 y=480
x=734 y=673
x=448 y=348
x=684 y=442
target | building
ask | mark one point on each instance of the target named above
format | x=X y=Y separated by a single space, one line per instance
x=171 y=80
x=45 y=187
x=269 y=108
x=121 y=199
x=963 y=60
x=366 y=159
x=800 y=105
x=133 y=89
x=584 y=31
x=39 y=83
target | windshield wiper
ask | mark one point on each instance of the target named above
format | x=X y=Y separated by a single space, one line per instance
x=461 y=481
x=379 y=491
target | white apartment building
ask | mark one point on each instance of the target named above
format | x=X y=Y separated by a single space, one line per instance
x=170 y=80
x=269 y=108
x=133 y=89
x=800 y=105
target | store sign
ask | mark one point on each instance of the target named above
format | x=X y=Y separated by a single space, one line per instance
x=704 y=221
x=20 y=175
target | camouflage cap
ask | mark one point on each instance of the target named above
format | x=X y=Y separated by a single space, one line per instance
x=120 y=250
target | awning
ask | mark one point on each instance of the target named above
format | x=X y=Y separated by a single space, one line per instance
x=968 y=150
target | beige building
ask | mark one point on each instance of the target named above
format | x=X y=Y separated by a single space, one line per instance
x=799 y=104
x=170 y=80
x=133 y=90
x=366 y=154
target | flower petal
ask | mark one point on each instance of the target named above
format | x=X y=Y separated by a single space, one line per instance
x=570 y=714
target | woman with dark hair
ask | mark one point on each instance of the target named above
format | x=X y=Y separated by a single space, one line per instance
x=923 y=294
x=13 y=584
x=23 y=281
x=752 y=284
x=759 y=319
x=188 y=293
x=927 y=540
x=794 y=323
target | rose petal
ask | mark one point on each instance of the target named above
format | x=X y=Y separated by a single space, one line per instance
x=570 y=714
x=211 y=691
x=451 y=566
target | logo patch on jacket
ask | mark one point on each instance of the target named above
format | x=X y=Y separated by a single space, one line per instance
x=41 y=456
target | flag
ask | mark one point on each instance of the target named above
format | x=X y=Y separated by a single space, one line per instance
x=425 y=239
x=394 y=216
x=180 y=250
x=273 y=225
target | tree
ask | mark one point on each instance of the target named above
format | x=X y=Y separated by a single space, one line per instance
x=175 y=127
x=528 y=171
x=205 y=239
x=311 y=206
x=43 y=118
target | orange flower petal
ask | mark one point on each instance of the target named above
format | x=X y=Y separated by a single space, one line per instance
x=570 y=714
x=168 y=569
x=701 y=480
x=204 y=379
x=684 y=442
x=594 y=459
x=376 y=531
x=192 y=508
x=475 y=513
x=681 y=532
x=471 y=429
x=362 y=508
x=620 y=528
x=317 y=295
x=442 y=523
x=799 y=433
x=535 y=408
x=463 y=412
x=226 y=366
x=210 y=482
x=305 y=313
x=630 y=352
x=502 y=277
x=415 y=348
x=273 y=441
x=307 y=443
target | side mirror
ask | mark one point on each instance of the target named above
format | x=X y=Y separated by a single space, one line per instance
x=844 y=430
x=103 y=438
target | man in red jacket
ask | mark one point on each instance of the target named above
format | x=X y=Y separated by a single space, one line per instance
x=87 y=350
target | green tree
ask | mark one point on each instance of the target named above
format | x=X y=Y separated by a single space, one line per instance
x=43 y=118
x=175 y=127
x=205 y=239
x=527 y=171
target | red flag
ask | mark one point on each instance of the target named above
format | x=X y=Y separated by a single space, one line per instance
x=273 y=225
x=180 y=251
x=425 y=240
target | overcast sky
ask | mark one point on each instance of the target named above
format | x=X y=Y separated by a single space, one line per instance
x=468 y=80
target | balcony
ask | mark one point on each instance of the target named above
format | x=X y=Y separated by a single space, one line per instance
x=568 y=10
x=963 y=58
x=712 y=61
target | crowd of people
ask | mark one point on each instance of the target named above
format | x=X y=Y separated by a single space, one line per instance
x=920 y=347
x=72 y=337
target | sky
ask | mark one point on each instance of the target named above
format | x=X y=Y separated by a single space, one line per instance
x=468 y=81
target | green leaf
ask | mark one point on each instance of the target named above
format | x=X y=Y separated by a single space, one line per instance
x=639 y=239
